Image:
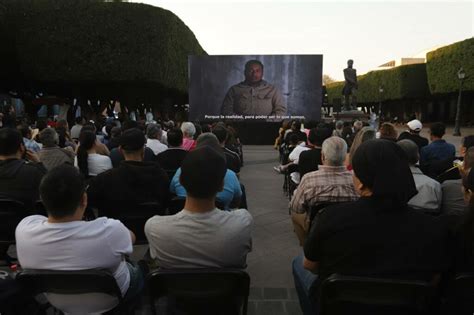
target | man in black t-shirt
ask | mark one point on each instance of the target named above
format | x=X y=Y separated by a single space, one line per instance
x=310 y=159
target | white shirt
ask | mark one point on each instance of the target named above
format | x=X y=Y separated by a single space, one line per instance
x=75 y=245
x=97 y=163
x=295 y=154
x=156 y=146
x=198 y=240
x=429 y=195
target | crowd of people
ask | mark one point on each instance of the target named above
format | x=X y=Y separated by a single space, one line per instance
x=372 y=202
x=362 y=201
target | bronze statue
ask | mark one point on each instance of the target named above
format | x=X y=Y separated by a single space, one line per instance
x=350 y=87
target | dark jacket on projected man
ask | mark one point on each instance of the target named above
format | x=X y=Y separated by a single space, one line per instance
x=262 y=99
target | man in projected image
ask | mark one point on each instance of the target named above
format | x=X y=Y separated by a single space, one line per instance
x=253 y=96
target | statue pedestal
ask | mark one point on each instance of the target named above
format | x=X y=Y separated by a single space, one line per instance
x=351 y=115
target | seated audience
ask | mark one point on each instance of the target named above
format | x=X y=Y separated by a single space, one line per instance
x=65 y=140
x=30 y=143
x=188 y=130
x=310 y=159
x=413 y=134
x=153 y=133
x=331 y=183
x=62 y=241
x=116 y=155
x=100 y=147
x=231 y=193
x=438 y=149
x=51 y=155
x=295 y=130
x=337 y=132
x=114 y=139
x=171 y=159
x=464 y=236
x=453 y=192
x=388 y=132
x=378 y=235
x=232 y=158
x=429 y=194
x=365 y=134
x=76 y=129
x=201 y=235
x=134 y=181
x=450 y=168
x=20 y=170
x=89 y=162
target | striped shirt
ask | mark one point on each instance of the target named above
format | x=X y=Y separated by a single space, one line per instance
x=327 y=184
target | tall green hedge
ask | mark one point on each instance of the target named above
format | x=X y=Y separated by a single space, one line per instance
x=94 y=44
x=443 y=64
x=401 y=82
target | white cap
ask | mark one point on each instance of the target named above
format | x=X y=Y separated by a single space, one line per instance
x=415 y=125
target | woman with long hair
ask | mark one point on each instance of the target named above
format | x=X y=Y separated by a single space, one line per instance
x=366 y=133
x=89 y=162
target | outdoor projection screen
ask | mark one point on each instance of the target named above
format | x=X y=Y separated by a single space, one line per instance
x=293 y=88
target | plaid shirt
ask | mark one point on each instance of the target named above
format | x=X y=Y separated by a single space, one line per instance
x=327 y=184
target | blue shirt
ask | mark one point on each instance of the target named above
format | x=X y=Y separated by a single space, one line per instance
x=230 y=192
x=437 y=150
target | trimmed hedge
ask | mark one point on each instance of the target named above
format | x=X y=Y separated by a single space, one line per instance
x=93 y=45
x=444 y=63
x=401 y=82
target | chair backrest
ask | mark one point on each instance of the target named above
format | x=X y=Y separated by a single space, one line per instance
x=367 y=295
x=11 y=213
x=75 y=292
x=314 y=210
x=460 y=295
x=134 y=216
x=204 y=291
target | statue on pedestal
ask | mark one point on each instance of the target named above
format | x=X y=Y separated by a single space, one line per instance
x=350 y=87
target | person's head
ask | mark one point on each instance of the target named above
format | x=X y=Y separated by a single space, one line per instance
x=358 y=125
x=437 y=130
x=294 y=139
x=202 y=172
x=87 y=141
x=80 y=120
x=339 y=125
x=466 y=143
x=333 y=152
x=175 y=138
x=63 y=192
x=132 y=144
x=388 y=131
x=296 y=125
x=317 y=135
x=365 y=134
x=221 y=134
x=253 y=71
x=25 y=131
x=62 y=124
x=208 y=139
x=411 y=150
x=11 y=144
x=49 y=138
x=115 y=132
x=415 y=126
x=188 y=129
x=350 y=63
x=381 y=171
x=153 y=131
x=129 y=124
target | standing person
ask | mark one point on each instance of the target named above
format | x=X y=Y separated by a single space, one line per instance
x=414 y=128
x=253 y=96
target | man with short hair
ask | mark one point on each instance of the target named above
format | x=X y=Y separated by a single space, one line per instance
x=172 y=158
x=414 y=128
x=253 y=96
x=51 y=155
x=20 y=170
x=232 y=158
x=62 y=241
x=135 y=180
x=429 y=194
x=201 y=235
x=438 y=149
x=331 y=183
x=153 y=133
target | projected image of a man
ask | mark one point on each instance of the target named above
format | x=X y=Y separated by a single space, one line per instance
x=254 y=96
